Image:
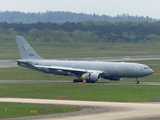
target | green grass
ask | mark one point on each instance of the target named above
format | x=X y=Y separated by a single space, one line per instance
x=9 y=49
x=91 y=92
x=12 y=110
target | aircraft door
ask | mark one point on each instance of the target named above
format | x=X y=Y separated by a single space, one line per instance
x=116 y=70
x=137 y=70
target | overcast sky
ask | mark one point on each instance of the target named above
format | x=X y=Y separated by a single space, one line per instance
x=149 y=8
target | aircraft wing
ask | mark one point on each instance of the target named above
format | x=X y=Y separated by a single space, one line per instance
x=69 y=69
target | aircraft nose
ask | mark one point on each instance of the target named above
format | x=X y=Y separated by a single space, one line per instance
x=151 y=71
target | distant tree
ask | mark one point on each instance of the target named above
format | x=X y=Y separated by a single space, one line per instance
x=87 y=31
x=61 y=17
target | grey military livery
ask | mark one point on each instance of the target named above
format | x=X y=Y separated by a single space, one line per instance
x=83 y=70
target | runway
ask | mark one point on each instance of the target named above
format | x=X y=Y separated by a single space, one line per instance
x=8 y=63
x=70 y=82
x=114 y=110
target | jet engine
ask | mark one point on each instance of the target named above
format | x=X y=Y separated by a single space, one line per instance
x=91 y=77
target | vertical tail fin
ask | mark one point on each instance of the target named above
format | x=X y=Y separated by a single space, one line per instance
x=26 y=51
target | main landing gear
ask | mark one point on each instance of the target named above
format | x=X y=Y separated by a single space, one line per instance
x=90 y=81
x=80 y=80
x=137 y=81
x=77 y=80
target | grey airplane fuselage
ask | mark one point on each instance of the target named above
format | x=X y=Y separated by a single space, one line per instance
x=110 y=69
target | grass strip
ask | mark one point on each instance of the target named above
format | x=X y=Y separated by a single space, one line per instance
x=91 y=92
x=13 y=110
x=9 y=50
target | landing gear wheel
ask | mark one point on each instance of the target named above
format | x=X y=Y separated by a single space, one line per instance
x=87 y=81
x=74 y=80
x=137 y=81
x=80 y=80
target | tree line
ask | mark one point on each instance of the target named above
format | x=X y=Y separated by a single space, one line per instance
x=88 y=31
x=61 y=17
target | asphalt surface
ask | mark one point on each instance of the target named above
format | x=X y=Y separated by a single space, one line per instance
x=8 y=63
x=70 y=82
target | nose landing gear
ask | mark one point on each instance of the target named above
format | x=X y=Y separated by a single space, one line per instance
x=137 y=81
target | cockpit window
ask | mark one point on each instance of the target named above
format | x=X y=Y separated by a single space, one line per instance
x=146 y=67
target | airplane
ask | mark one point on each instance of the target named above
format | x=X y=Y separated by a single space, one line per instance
x=89 y=71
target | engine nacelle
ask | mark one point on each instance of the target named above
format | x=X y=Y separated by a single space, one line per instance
x=91 y=76
x=115 y=78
